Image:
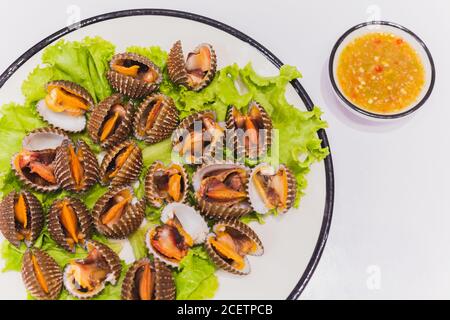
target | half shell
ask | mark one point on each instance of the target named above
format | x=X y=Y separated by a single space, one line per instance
x=148 y=280
x=34 y=165
x=65 y=105
x=21 y=218
x=155 y=119
x=221 y=190
x=199 y=138
x=69 y=223
x=110 y=121
x=133 y=75
x=85 y=278
x=229 y=244
x=122 y=164
x=41 y=275
x=76 y=167
x=165 y=184
x=197 y=71
x=182 y=228
x=252 y=130
x=117 y=213
x=272 y=188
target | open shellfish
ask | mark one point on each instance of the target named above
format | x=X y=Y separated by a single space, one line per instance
x=85 y=278
x=34 y=165
x=229 y=244
x=21 y=218
x=165 y=184
x=272 y=189
x=69 y=223
x=155 y=119
x=118 y=213
x=133 y=75
x=76 y=167
x=197 y=71
x=199 y=138
x=253 y=130
x=65 y=105
x=221 y=190
x=148 y=280
x=41 y=274
x=122 y=164
x=110 y=121
x=182 y=228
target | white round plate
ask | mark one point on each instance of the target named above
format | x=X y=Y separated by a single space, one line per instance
x=293 y=242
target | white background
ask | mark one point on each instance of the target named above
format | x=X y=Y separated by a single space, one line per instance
x=390 y=233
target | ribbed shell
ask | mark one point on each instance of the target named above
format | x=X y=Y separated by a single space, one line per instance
x=151 y=191
x=55 y=227
x=267 y=125
x=176 y=67
x=113 y=261
x=51 y=271
x=165 y=122
x=243 y=229
x=62 y=167
x=292 y=188
x=164 y=288
x=129 y=171
x=99 y=115
x=217 y=210
x=63 y=120
x=7 y=220
x=180 y=132
x=73 y=88
x=129 y=86
x=129 y=222
x=43 y=139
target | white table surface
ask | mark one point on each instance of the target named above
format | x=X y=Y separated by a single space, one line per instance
x=390 y=232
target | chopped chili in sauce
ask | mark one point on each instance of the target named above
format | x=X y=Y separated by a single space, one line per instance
x=381 y=73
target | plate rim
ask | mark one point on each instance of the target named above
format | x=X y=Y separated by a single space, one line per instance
x=328 y=163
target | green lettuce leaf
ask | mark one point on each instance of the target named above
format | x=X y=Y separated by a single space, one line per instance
x=84 y=62
x=196 y=277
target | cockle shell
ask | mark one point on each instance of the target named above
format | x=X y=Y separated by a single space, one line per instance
x=153 y=195
x=164 y=284
x=56 y=228
x=64 y=120
x=102 y=112
x=242 y=229
x=129 y=86
x=176 y=67
x=263 y=125
x=63 y=171
x=8 y=224
x=50 y=271
x=129 y=220
x=44 y=141
x=128 y=172
x=194 y=123
x=189 y=219
x=164 y=123
x=257 y=201
x=219 y=210
x=113 y=265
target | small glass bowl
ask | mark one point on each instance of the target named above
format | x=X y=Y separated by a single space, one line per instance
x=406 y=34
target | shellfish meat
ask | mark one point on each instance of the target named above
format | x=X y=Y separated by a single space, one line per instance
x=21 y=217
x=65 y=105
x=133 y=75
x=197 y=71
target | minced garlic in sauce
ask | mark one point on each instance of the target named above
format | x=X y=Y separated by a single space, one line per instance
x=380 y=72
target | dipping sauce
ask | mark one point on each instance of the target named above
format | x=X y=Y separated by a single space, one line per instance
x=381 y=73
